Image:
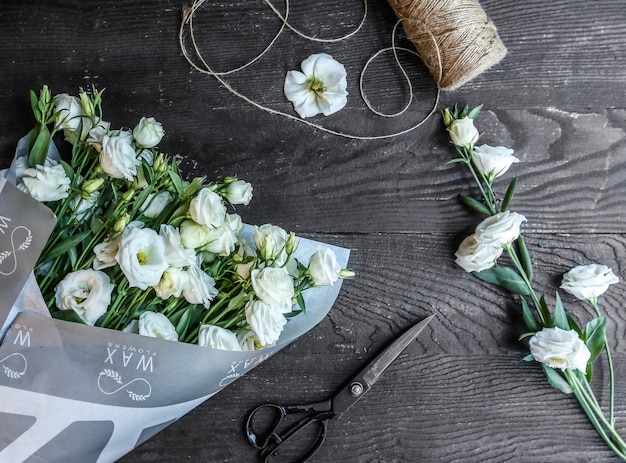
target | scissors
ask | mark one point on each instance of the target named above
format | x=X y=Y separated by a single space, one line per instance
x=262 y=425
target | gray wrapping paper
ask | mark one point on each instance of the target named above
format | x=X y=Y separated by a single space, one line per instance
x=71 y=392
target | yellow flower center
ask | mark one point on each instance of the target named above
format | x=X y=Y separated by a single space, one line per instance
x=142 y=257
x=317 y=85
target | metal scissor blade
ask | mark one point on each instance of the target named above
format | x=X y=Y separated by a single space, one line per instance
x=362 y=382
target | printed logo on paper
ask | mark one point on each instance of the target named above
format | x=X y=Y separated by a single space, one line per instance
x=241 y=367
x=132 y=362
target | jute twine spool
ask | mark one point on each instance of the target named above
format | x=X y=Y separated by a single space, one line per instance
x=455 y=38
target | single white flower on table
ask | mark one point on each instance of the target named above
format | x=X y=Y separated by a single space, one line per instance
x=561 y=349
x=588 y=282
x=500 y=229
x=118 y=157
x=473 y=256
x=274 y=286
x=207 y=208
x=46 y=183
x=319 y=88
x=218 y=338
x=86 y=292
x=266 y=321
x=323 y=267
x=157 y=325
x=493 y=161
x=148 y=132
x=463 y=133
x=141 y=257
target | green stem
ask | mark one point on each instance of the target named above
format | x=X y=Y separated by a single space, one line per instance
x=609 y=359
x=545 y=317
x=589 y=404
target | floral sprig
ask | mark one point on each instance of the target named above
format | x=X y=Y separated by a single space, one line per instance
x=565 y=350
x=137 y=248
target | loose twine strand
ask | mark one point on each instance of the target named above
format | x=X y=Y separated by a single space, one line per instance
x=428 y=38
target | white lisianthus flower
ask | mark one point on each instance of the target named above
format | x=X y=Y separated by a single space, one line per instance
x=176 y=254
x=248 y=340
x=200 y=288
x=588 y=282
x=72 y=117
x=172 y=284
x=475 y=257
x=148 y=133
x=270 y=240
x=141 y=257
x=155 y=203
x=463 y=133
x=86 y=292
x=193 y=235
x=207 y=208
x=218 y=338
x=157 y=325
x=266 y=321
x=83 y=207
x=118 y=157
x=46 y=183
x=500 y=229
x=97 y=133
x=558 y=348
x=221 y=241
x=323 y=267
x=493 y=161
x=238 y=192
x=274 y=286
x=319 y=88
x=105 y=253
x=243 y=270
x=234 y=222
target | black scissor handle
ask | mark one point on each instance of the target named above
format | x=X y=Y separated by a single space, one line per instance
x=268 y=438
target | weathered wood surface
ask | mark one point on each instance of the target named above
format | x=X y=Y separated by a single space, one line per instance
x=461 y=393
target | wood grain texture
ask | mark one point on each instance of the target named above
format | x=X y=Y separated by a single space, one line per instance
x=460 y=393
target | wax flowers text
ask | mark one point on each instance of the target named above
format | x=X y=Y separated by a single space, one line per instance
x=565 y=350
x=138 y=248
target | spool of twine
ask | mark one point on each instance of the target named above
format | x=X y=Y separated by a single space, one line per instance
x=455 y=38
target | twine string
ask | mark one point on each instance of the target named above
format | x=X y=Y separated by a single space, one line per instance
x=187 y=24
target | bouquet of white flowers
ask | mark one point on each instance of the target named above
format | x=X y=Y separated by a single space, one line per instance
x=565 y=350
x=135 y=248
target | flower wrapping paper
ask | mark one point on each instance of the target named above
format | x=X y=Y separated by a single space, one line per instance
x=72 y=392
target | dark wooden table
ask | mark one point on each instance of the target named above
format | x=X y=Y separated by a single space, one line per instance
x=461 y=392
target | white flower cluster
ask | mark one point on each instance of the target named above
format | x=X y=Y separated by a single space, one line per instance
x=157 y=255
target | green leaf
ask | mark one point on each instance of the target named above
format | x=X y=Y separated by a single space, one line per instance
x=526 y=335
x=525 y=259
x=529 y=318
x=34 y=103
x=505 y=277
x=183 y=323
x=529 y=358
x=67 y=244
x=67 y=315
x=559 y=318
x=474 y=112
x=556 y=380
x=177 y=182
x=39 y=151
x=508 y=196
x=595 y=336
x=474 y=204
x=300 y=301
